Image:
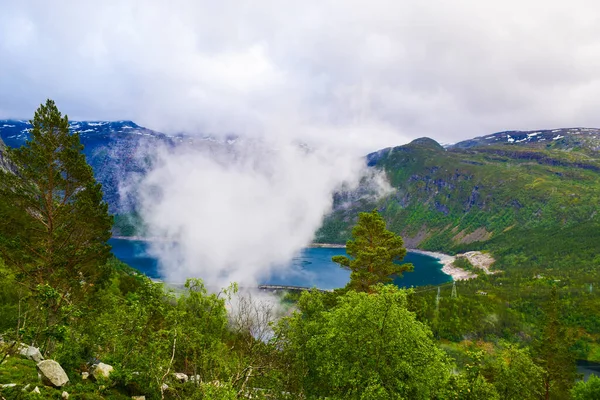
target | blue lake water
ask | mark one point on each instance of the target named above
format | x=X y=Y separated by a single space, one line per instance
x=311 y=267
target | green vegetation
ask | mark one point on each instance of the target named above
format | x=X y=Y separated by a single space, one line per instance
x=60 y=291
x=368 y=346
x=375 y=252
x=589 y=390
x=533 y=207
x=53 y=224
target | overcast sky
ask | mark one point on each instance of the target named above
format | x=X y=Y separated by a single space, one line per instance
x=366 y=74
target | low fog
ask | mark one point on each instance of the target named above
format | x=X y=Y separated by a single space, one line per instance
x=234 y=213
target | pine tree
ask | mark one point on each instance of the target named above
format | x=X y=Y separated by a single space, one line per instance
x=54 y=225
x=375 y=252
x=554 y=353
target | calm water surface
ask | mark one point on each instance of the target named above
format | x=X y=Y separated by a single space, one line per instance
x=311 y=267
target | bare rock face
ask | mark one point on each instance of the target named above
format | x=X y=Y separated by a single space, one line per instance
x=101 y=371
x=52 y=373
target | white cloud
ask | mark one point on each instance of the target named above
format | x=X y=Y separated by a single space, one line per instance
x=236 y=213
x=449 y=70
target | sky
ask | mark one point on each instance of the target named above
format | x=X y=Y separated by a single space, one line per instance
x=360 y=74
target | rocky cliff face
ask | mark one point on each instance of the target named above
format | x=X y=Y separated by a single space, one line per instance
x=3 y=162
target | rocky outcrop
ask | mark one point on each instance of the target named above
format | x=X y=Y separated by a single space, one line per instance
x=30 y=352
x=101 y=371
x=52 y=373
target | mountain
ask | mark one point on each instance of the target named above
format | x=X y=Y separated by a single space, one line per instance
x=582 y=139
x=491 y=191
x=112 y=148
x=116 y=150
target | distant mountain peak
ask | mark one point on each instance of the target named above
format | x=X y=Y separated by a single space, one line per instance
x=568 y=138
x=425 y=142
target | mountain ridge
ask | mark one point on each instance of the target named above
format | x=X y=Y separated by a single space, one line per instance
x=475 y=192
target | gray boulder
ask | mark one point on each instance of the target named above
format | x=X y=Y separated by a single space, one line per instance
x=30 y=352
x=101 y=371
x=52 y=373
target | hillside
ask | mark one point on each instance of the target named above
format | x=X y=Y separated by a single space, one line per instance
x=483 y=191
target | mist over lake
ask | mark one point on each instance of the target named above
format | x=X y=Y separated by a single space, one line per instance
x=311 y=267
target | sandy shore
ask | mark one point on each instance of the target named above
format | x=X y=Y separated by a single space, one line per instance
x=448 y=268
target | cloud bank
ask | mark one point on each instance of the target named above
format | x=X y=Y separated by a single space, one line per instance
x=237 y=213
x=360 y=74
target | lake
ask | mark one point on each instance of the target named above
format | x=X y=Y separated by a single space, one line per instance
x=311 y=267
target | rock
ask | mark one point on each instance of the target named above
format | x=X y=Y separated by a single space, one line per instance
x=36 y=390
x=64 y=395
x=85 y=375
x=138 y=397
x=181 y=377
x=25 y=388
x=101 y=371
x=164 y=386
x=52 y=373
x=30 y=352
x=195 y=378
x=8 y=385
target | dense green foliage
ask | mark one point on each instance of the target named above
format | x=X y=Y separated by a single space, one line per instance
x=589 y=390
x=375 y=253
x=367 y=347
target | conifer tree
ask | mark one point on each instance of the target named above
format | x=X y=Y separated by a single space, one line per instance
x=554 y=353
x=54 y=225
x=374 y=251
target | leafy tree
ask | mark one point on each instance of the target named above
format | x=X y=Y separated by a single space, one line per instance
x=54 y=225
x=374 y=251
x=515 y=375
x=368 y=346
x=589 y=390
x=464 y=387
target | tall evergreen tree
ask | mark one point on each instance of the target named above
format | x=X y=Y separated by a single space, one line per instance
x=54 y=225
x=374 y=251
x=554 y=353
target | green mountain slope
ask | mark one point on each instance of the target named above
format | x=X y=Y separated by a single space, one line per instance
x=482 y=193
